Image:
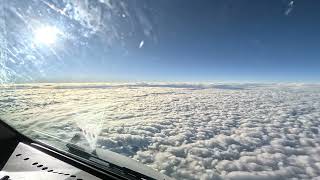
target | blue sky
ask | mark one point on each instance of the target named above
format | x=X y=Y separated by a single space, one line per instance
x=184 y=40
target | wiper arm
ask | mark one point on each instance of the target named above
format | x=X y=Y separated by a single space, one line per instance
x=79 y=151
x=76 y=150
x=93 y=158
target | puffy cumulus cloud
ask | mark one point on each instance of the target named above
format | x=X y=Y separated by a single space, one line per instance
x=187 y=131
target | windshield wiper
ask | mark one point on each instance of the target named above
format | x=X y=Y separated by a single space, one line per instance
x=106 y=165
x=93 y=159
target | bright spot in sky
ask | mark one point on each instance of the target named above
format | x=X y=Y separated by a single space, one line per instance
x=141 y=44
x=46 y=35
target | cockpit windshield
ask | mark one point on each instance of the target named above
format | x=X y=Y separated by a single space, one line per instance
x=212 y=89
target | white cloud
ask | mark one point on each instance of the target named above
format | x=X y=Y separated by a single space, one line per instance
x=187 y=131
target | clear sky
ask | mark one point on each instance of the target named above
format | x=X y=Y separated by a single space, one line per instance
x=168 y=40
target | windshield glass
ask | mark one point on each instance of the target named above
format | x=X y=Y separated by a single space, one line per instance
x=192 y=89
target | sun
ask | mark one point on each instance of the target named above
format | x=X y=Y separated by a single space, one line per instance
x=46 y=35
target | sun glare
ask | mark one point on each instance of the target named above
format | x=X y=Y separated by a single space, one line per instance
x=46 y=35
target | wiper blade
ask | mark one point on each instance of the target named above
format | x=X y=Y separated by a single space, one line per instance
x=81 y=152
x=76 y=150
x=92 y=157
x=109 y=161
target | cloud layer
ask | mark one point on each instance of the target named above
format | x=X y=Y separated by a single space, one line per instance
x=186 y=131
